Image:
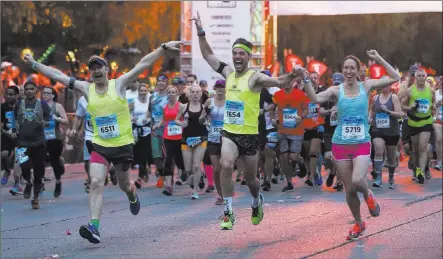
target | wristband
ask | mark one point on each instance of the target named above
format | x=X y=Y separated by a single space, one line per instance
x=307 y=80
x=34 y=65
x=164 y=47
x=71 y=82
x=201 y=33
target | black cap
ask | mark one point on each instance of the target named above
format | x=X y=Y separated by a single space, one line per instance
x=97 y=59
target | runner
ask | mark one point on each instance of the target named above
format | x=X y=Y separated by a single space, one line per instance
x=240 y=129
x=142 y=132
x=32 y=116
x=329 y=111
x=54 y=137
x=418 y=102
x=313 y=135
x=194 y=141
x=268 y=134
x=112 y=140
x=215 y=108
x=351 y=141
x=291 y=103
x=385 y=131
x=9 y=140
x=172 y=137
x=438 y=123
x=157 y=103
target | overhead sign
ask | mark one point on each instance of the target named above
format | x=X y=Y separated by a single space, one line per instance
x=223 y=22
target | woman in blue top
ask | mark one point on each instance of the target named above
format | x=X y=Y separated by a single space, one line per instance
x=351 y=146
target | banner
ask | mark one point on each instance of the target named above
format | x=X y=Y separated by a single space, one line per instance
x=352 y=7
x=223 y=22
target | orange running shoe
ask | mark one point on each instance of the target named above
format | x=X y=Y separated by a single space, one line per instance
x=373 y=206
x=160 y=182
x=356 y=231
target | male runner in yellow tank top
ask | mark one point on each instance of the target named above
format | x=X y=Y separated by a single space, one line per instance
x=111 y=120
x=240 y=131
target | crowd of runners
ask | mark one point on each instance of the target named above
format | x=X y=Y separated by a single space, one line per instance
x=266 y=129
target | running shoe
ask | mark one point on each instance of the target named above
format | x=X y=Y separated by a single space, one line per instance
x=319 y=181
x=16 y=190
x=377 y=183
x=58 y=190
x=35 y=204
x=274 y=179
x=303 y=171
x=266 y=186
x=146 y=177
x=178 y=182
x=134 y=207
x=160 y=182
x=330 y=180
x=167 y=191
x=90 y=233
x=113 y=175
x=201 y=184
x=356 y=231
x=438 y=166
x=374 y=175
x=258 y=213
x=288 y=188
x=184 y=177
x=420 y=177
x=28 y=190
x=391 y=182
x=87 y=188
x=220 y=201
x=243 y=182
x=373 y=206
x=227 y=220
x=4 y=180
x=309 y=182
x=339 y=187
x=210 y=188
x=194 y=196
x=428 y=175
x=282 y=177
x=138 y=183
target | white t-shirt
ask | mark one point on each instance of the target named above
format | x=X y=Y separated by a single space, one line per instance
x=82 y=111
x=131 y=95
x=268 y=120
x=438 y=95
x=139 y=112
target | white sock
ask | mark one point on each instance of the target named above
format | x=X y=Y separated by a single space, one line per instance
x=228 y=203
x=255 y=201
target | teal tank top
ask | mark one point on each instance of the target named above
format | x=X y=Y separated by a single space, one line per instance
x=352 y=114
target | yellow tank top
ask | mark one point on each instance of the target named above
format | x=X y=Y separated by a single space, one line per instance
x=242 y=105
x=110 y=117
x=424 y=109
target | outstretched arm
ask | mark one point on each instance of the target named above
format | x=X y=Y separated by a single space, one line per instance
x=57 y=75
x=145 y=63
x=207 y=52
x=374 y=84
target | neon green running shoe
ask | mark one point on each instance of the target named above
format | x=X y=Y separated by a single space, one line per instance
x=227 y=220
x=257 y=213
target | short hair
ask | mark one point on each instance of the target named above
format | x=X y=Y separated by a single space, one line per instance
x=192 y=75
x=15 y=88
x=314 y=72
x=244 y=42
x=54 y=92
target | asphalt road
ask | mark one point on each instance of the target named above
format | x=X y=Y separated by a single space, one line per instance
x=307 y=223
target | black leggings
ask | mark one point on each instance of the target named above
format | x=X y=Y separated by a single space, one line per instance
x=55 y=149
x=36 y=161
x=143 y=154
x=173 y=154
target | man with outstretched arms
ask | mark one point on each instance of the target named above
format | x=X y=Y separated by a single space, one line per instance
x=112 y=141
x=240 y=129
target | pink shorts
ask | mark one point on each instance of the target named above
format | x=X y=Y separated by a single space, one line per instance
x=350 y=152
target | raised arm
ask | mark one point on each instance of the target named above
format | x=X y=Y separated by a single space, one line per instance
x=146 y=62
x=264 y=81
x=393 y=75
x=57 y=75
x=207 y=53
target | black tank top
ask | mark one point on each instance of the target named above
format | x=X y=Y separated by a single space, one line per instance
x=194 y=128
